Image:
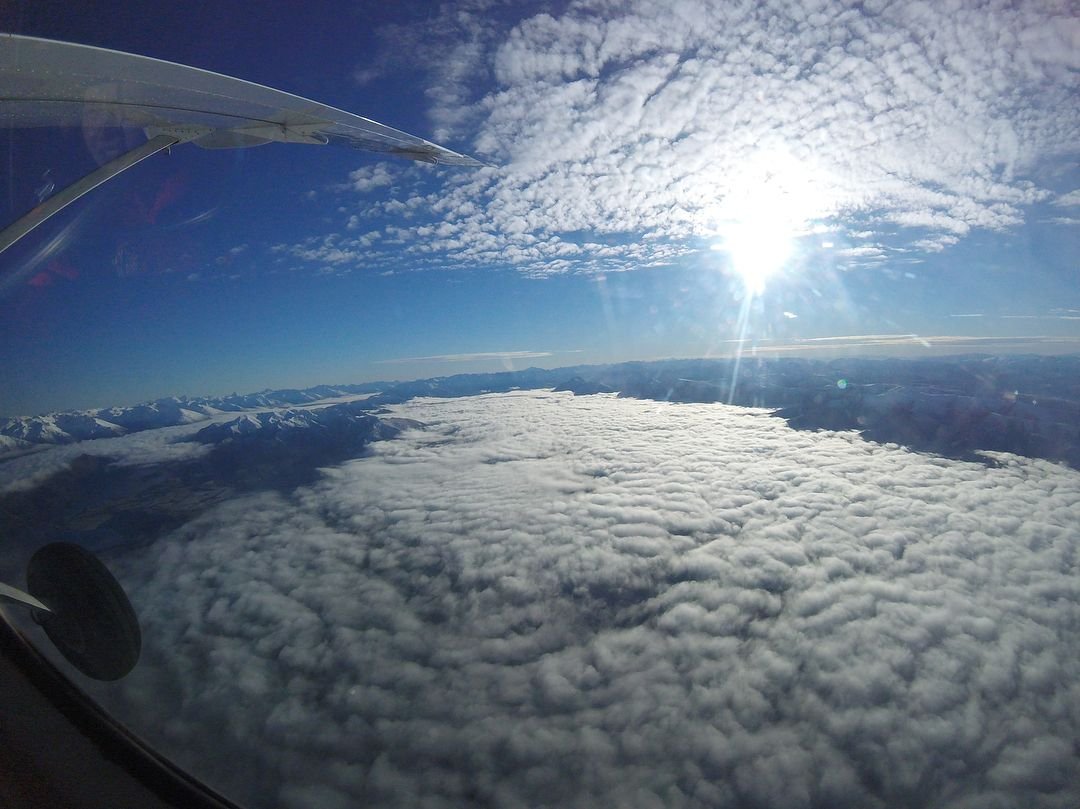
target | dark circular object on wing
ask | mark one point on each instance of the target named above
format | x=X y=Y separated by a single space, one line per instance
x=92 y=622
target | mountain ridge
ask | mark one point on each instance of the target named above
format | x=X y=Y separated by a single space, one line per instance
x=955 y=406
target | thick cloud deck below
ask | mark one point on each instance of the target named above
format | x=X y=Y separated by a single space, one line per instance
x=549 y=600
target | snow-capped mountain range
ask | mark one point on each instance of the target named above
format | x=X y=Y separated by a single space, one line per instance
x=956 y=406
x=99 y=500
x=20 y=432
x=342 y=421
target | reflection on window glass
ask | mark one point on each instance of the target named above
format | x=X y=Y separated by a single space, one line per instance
x=713 y=442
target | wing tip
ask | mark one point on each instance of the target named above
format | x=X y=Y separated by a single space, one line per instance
x=438 y=155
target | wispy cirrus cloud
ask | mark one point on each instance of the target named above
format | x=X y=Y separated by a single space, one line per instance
x=909 y=344
x=474 y=357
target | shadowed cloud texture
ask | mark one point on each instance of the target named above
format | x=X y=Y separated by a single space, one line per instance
x=548 y=600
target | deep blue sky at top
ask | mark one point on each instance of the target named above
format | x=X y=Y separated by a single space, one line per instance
x=633 y=148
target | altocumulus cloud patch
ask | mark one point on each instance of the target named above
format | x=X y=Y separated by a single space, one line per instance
x=555 y=601
x=623 y=132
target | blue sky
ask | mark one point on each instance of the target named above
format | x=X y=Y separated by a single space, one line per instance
x=666 y=179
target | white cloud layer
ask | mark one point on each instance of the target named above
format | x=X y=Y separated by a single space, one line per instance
x=148 y=447
x=625 y=131
x=544 y=600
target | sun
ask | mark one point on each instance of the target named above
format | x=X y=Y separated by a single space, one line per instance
x=769 y=202
x=758 y=249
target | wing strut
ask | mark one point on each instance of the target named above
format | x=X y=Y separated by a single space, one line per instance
x=9 y=593
x=56 y=203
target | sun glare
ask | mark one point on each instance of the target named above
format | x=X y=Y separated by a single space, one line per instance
x=758 y=250
x=770 y=202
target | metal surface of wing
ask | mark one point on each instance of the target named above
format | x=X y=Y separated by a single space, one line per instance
x=48 y=83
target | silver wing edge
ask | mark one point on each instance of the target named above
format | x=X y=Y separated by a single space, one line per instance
x=282 y=116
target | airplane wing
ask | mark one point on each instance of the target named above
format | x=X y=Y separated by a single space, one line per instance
x=44 y=83
x=48 y=83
